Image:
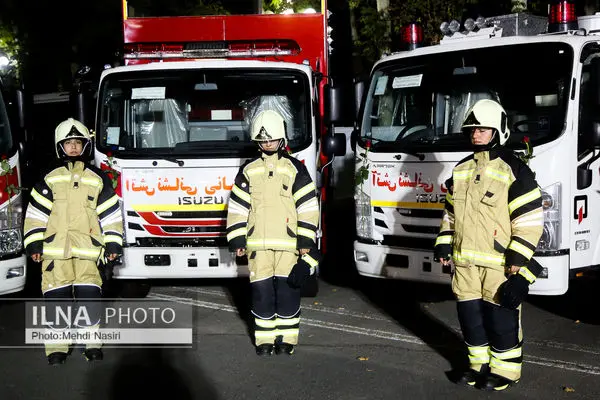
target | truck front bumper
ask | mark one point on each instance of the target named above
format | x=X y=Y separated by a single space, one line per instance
x=178 y=263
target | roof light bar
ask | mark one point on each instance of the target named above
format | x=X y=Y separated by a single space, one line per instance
x=263 y=48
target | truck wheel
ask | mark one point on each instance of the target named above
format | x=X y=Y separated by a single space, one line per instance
x=311 y=287
x=132 y=289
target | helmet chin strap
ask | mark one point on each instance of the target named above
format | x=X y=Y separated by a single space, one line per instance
x=80 y=155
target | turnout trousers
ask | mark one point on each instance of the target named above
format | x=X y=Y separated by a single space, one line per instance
x=275 y=305
x=492 y=333
x=66 y=285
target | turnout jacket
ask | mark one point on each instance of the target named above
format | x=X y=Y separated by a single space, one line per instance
x=493 y=213
x=73 y=213
x=273 y=205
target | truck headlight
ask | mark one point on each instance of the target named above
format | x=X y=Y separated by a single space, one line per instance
x=551 y=205
x=364 y=224
x=11 y=223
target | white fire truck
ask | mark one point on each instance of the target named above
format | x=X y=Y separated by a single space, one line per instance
x=546 y=74
x=172 y=127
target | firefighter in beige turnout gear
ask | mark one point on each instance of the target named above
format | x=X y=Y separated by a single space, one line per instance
x=272 y=217
x=72 y=221
x=491 y=227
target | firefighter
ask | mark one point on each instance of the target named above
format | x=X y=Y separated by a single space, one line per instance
x=491 y=226
x=72 y=221
x=272 y=218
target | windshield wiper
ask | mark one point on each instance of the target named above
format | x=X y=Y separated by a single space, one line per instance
x=147 y=153
x=420 y=156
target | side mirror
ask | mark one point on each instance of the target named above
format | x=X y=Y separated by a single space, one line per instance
x=334 y=104
x=334 y=145
x=584 y=177
x=359 y=90
x=354 y=139
x=21 y=108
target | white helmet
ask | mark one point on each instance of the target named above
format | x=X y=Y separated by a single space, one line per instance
x=72 y=129
x=487 y=113
x=268 y=125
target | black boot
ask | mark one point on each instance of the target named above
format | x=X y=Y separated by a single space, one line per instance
x=265 y=349
x=93 y=354
x=57 y=358
x=471 y=377
x=495 y=382
x=285 y=348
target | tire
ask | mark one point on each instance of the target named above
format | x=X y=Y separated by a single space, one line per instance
x=131 y=289
x=310 y=287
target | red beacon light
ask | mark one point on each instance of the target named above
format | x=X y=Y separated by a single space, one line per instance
x=562 y=16
x=412 y=36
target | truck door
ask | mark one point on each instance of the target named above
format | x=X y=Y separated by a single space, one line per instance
x=584 y=200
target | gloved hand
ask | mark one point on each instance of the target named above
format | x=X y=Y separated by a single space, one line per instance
x=106 y=271
x=514 y=291
x=106 y=264
x=299 y=274
x=443 y=251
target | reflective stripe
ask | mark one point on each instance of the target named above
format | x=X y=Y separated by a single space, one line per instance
x=521 y=249
x=310 y=261
x=237 y=232
x=462 y=175
x=85 y=252
x=449 y=199
x=448 y=217
x=59 y=178
x=107 y=204
x=306 y=233
x=255 y=171
x=504 y=365
x=41 y=199
x=265 y=323
x=241 y=194
x=91 y=181
x=464 y=255
x=534 y=218
x=258 y=243
x=285 y=171
x=265 y=334
x=506 y=355
x=522 y=200
x=287 y=321
x=113 y=239
x=443 y=239
x=497 y=175
x=479 y=359
x=309 y=206
x=526 y=273
x=304 y=191
x=33 y=238
x=54 y=251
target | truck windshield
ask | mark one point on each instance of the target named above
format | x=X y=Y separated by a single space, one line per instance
x=198 y=113
x=6 y=142
x=420 y=102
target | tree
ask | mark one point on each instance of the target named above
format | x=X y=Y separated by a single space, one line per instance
x=11 y=47
x=377 y=30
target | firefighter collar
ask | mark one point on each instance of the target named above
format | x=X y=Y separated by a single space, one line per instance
x=482 y=156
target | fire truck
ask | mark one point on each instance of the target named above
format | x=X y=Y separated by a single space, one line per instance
x=546 y=74
x=13 y=263
x=172 y=128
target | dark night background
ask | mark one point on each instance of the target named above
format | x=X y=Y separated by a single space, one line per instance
x=58 y=36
